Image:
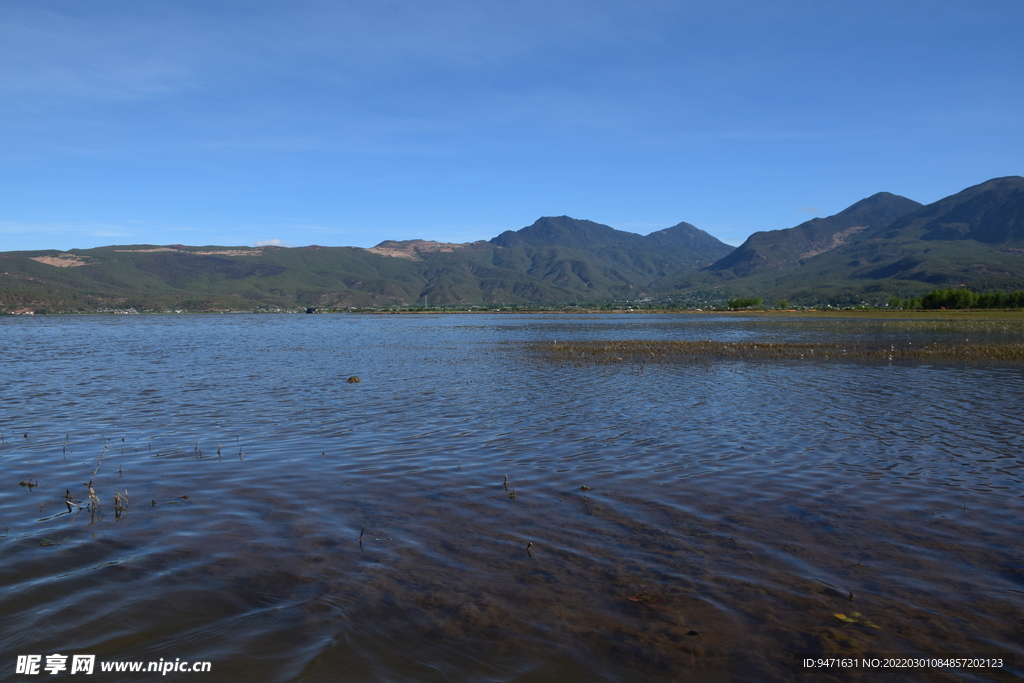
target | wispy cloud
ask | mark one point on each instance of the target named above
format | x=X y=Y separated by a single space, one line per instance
x=110 y=233
x=57 y=228
x=94 y=57
x=127 y=50
x=63 y=235
x=271 y=243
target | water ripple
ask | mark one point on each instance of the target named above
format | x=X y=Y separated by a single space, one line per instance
x=288 y=525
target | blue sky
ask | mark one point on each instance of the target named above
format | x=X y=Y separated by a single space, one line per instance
x=347 y=123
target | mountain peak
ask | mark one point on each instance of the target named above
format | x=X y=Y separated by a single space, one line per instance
x=563 y=231
x=880 y=208
x=780 y=249
x=683 y=228
x=991 y=212
x=690 y=237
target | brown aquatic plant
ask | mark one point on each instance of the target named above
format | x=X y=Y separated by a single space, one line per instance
x=93 y=498
x=120 y=505
x=645 y=352
x=69 y=502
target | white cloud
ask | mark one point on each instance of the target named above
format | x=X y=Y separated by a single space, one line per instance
x=271 y=243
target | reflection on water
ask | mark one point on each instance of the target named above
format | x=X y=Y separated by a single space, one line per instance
x=695 y=523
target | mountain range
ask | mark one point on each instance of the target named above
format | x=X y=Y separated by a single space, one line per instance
x=884 y=245
x=880 y=246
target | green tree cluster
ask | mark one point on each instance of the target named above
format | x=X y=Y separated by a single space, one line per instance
x=736 y=304
x=965 y=298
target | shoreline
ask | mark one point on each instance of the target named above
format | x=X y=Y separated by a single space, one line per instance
x=835 y=313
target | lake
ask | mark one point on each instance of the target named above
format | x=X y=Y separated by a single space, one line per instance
x=472 y=511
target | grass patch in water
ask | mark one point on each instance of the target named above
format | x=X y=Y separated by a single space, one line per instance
x=671 y=352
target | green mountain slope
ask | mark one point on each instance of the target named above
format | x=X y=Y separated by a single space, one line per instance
x=974 y=238
x=781 y=249
x=149 y=277
x=586 y=258
x=991 y=213
x=882 y=246
x=581 y=261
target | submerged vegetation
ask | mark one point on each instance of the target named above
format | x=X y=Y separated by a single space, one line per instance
x=675 y=352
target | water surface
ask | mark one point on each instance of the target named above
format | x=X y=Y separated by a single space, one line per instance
x=287 y=525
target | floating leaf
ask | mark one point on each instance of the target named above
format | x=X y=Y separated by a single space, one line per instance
x=861 y=620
